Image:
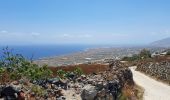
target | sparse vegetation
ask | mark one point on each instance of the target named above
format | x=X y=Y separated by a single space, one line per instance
x=61 y=73
x=64 y=74
x=17 y=67
x=78 y=71
x=144 y=54
x=37 y=79
x=133 y=58
x=168 y=52
x=38 y=90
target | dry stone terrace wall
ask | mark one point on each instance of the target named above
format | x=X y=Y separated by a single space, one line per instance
x=159 y=70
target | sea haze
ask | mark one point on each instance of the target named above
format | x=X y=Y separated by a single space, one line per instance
x=41 y=51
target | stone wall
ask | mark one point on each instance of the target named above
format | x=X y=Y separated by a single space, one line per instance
x=108 y=85
x=159 y=70
x=115 y=82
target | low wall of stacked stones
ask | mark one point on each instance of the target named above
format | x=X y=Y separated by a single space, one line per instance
x=158 y=70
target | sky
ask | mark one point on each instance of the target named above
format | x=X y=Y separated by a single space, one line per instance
x=114 y=22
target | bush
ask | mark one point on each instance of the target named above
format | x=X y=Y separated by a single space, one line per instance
x=142 y=55
x=17 y=67
x=65 y=74
x=168 y=52
x=61 y=73
x=133 y=58
x=2 y=70
x=38 y=90
x=78 y=71
x=145 y=54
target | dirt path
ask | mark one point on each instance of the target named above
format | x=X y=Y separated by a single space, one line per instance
x=154 y=90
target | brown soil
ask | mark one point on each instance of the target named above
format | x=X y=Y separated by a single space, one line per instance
x=86 y=68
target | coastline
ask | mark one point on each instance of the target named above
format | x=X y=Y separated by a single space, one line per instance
x=95 y=55
x=92 y=55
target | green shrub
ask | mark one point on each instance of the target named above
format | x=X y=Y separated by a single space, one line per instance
x=2 y=70
x=61 y=73
x=133 y=58
x=78 y=71
x=145 y=54
x=19 y=67
x=168 y=52
x=142 y=55
x=38 y=90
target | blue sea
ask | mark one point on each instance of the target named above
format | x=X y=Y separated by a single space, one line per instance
x=40 y=51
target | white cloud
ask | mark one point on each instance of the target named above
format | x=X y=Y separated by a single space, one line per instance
x=120 y=35
x=35 y=34
x=35 y=37
x=153 y=33
x=167 y=32
x=3 y=31
x=161 y=33
x=76 y=36
x=66 y=35
x=88 y=35
x=85 y=36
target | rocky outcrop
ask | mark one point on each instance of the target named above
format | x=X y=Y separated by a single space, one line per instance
x=159 y=70
x=108 y=85
x=105 y=85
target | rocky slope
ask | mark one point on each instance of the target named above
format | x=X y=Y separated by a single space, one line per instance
x=113 y=83
x=157 y=69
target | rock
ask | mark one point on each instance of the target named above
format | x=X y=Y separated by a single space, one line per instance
x=53 y=80
x=90 y=81
x=105 y=85
x=113 y=88
x=16 y=86
x=61 y=83
x=83 y=77
x=21 y=95
x=9 y=93
x=99 y=85
x=89 y=92
x=71 y=76
x=61 y=98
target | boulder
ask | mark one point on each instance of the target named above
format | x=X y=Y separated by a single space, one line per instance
x=9 y=93
x=89 y=92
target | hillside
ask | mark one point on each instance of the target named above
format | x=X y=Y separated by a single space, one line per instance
x=162 y=43
x=20 y=79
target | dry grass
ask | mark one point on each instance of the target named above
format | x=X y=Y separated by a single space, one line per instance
x=156 y=59
x=86 y=68
x=5 y=78
x=133 y=92
x=139 y=92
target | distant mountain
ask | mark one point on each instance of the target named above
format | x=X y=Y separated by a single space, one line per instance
x=162 y=43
